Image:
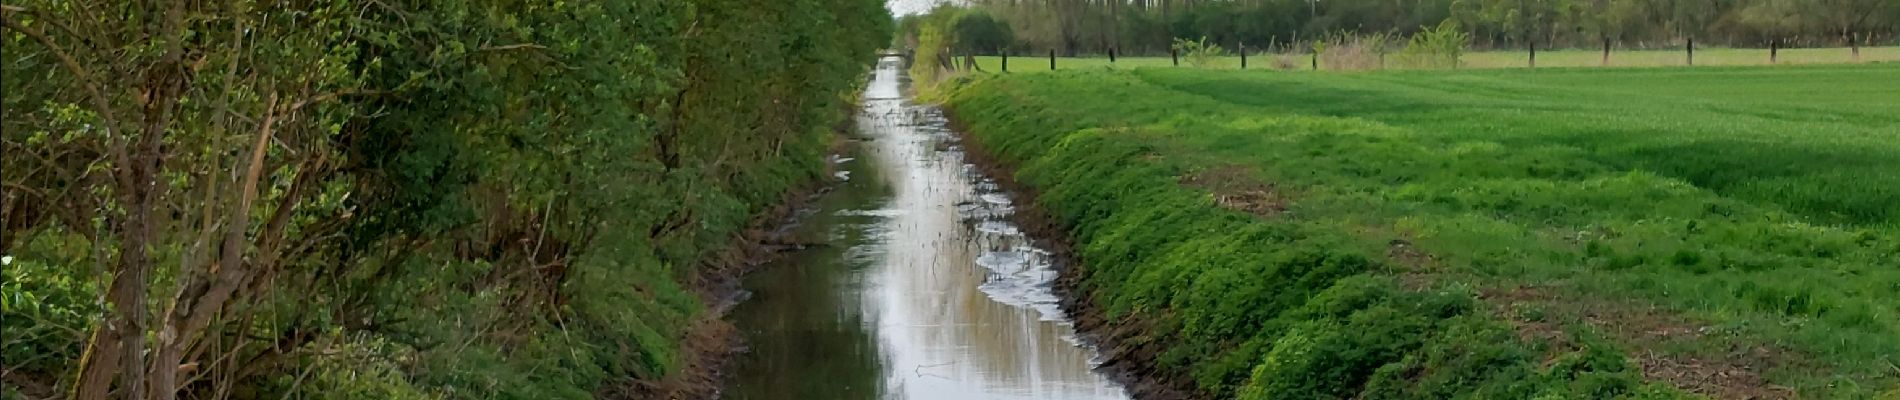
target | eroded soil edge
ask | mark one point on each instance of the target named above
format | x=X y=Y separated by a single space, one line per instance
x=1128 y=362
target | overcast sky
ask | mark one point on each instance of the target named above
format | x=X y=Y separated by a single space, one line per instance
x=901 y=7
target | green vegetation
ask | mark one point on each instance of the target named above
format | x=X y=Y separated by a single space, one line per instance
x=396 y=199
x=1198 y=52
x=1439 y=47
x=1569 y=233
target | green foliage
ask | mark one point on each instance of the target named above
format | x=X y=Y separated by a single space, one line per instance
x=933 y=39
x=501 y=199
x=1199 y=53
x=1439 y=47
x=47 y=301
x=361 y=368
x=1735 y=199
x=977 y=32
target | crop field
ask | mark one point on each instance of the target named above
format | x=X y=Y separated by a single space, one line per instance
x=1487 y=59
x=1657 y=233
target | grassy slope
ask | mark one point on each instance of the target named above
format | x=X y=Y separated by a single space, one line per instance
x=1493 y=59
x=1500 y=233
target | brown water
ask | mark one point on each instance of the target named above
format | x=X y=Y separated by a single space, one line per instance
x=923 y=289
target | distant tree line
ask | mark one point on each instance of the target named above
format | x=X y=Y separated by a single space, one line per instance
x=1076 y=27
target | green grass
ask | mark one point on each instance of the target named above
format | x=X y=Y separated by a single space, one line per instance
x=1676 y=57
x=1488 y=59
x=1757 y=209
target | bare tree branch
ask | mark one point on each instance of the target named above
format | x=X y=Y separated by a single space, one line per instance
x=513 y=47
x=299 y=105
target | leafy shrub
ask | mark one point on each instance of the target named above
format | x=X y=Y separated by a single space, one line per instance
x=48 y=303
x=1436 y=47
x=1353 y=52
x=1199 y=52
x=442 y=173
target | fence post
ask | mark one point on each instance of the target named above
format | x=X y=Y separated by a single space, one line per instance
x=1533 y=43
x=1005 y=60
x=1691 y=48
x=1606 y=52
x=1774 y=46
x=1243 y=55
x=1052 y=59
x=1853 y=42
x=1175 y=55
x=1111 y=55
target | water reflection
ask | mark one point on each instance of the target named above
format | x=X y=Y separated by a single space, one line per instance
x=926 y=292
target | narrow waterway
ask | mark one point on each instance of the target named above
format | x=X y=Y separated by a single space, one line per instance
x=921 y=288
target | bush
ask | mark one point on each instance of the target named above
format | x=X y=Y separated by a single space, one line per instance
x=1353 y=52
x=1199 y=52
x=1436 y=47
x=48 y=303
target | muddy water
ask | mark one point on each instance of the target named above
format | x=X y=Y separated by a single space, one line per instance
x=922 y=288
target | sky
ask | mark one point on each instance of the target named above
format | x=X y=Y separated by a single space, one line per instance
x=903 y=7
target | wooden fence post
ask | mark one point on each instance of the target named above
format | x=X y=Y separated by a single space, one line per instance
x=1691 y=48
x=1853 y=42
x=1533 y=43
x=1774 y=46
x=1243 y=55
x=1052 y=59
x=1175 y=55
x=1005 y=60
x=1111 y=55
x=1606 y=52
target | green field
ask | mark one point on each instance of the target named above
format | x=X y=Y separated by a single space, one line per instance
x=1492 y=59
x=1568 y=233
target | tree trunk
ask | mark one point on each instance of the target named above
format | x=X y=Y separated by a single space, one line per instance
x=946 y=61
x=99 y=364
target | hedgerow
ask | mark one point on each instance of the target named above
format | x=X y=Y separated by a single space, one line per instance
x=466 y=199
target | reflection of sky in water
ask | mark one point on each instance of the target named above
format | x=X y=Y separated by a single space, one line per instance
x=961 y=298
x=902 y=7
x=925 y=290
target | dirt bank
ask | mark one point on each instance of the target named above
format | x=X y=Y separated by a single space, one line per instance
x=709 y=346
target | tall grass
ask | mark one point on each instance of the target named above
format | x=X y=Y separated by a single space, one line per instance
x=1756 y=208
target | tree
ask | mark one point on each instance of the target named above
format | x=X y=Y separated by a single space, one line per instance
x=1771 y=20
x=262 y=189
x=978 y=33
x=1607 y=20
x=1852 y=20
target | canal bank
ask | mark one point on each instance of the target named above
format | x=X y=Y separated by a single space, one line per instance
x=1120 y=349
x=919 y=285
